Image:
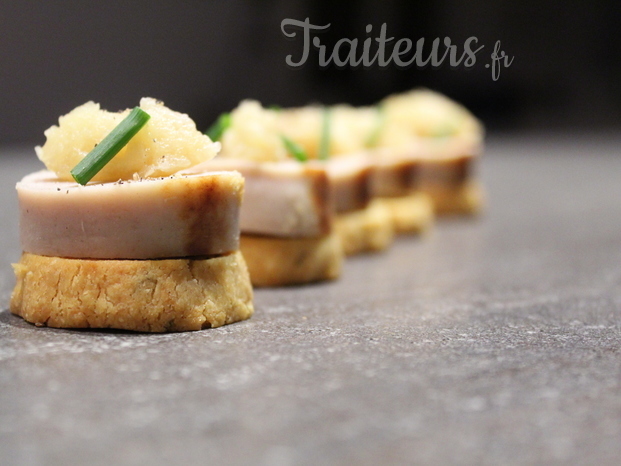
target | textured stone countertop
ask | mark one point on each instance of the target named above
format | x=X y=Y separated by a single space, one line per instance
x=495 y=341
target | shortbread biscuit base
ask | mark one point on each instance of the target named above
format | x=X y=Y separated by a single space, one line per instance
x=289 y=261
x=365 y=230
x=143 y=295
x=411 y=214
x=467 y=198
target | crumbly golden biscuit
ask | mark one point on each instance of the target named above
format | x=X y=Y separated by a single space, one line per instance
x=466 y=198
x=142 y=295
x=410 y=214
x=365 y=230
x=289 y=261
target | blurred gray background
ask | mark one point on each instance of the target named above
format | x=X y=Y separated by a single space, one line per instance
x=203 y=57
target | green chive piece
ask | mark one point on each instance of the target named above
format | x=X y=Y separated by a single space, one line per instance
x=216 y=130
x=324 y=142
x=103 y=152
x=275 y=108
x=294 y=149
x=380 y=122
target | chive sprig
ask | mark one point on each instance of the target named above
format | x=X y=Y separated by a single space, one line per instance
x=216 y=130
x=324 y=142
x=103 y=152
x=294 y=149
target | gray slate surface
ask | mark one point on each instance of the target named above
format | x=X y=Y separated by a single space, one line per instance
x=494 y=341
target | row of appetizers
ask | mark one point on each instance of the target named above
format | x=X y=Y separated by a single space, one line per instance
x=150 y=239
x=323 y=182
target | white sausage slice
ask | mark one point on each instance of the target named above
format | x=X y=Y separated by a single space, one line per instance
x=286 y=199
x=178 y=216
x=350 y=181
x=450 y=163
x=395 y=174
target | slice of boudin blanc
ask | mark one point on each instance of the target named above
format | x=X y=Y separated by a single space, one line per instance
x=448 y=176
x=446 y=171
x=176 y=216
x=350 y=181
x=285 y=199
x=466 y=198
x=395 y=173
